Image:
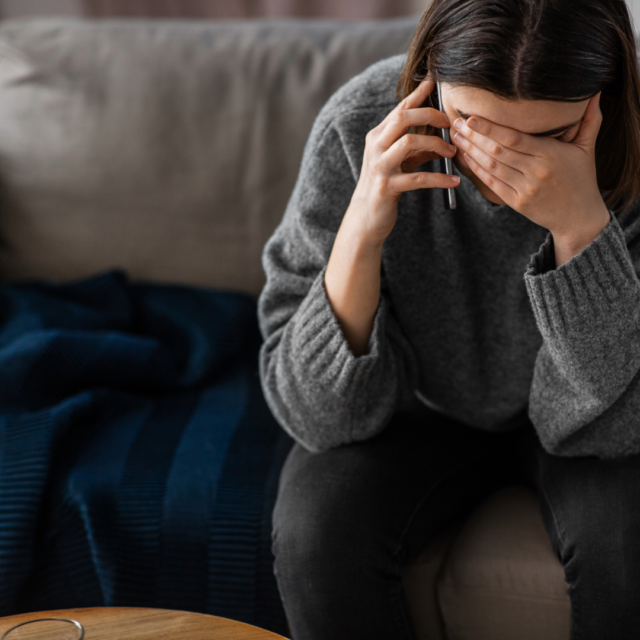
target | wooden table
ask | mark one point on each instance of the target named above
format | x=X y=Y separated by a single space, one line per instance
x=128 y=623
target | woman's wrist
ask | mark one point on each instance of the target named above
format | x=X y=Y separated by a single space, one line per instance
x=352 y=282
x=572 y=243
x=369 y=221
x=356 y=232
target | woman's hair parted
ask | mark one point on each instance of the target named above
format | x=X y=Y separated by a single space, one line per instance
x=557 y=50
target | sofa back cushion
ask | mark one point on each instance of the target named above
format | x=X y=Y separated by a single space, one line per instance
x=166 y=148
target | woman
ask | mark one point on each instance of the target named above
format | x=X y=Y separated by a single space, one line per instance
x=421 y=357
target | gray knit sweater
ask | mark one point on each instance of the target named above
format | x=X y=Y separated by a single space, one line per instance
x=474 y=320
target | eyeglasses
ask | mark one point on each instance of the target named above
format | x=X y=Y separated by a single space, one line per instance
x=47 y=628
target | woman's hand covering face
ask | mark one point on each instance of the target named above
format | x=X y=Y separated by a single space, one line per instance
x=552 y=183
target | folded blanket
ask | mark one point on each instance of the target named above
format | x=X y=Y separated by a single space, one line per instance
x=138 y=460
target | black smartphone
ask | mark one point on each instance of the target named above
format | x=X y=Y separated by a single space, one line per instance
x=446 y=164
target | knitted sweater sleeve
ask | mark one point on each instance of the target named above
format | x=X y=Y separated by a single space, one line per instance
x=585 y=394
x=320 y=393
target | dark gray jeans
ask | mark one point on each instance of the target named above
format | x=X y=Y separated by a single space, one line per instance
x=347 y=520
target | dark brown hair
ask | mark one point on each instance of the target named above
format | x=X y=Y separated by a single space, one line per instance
x=557 y=50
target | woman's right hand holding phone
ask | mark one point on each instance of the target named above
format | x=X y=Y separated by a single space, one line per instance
x=391 y=156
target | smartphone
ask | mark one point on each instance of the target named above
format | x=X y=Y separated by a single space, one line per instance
x=446 y=164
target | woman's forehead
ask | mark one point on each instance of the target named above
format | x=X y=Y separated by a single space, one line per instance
x=528 y=116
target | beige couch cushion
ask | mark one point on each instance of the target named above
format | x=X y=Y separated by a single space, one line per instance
x=502 y=580
x=165 y=148
x=419 y=580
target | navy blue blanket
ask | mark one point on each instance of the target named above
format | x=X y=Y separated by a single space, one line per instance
x=138 y=460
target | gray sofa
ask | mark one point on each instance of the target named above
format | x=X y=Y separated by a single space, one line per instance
x=169 y=149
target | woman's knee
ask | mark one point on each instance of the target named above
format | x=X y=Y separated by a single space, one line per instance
x=321 y=519
x=593 y=507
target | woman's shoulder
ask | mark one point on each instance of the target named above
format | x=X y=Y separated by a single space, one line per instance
x=367 y=97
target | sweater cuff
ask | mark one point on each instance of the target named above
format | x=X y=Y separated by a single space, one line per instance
x=323 y=352
x=586 y=288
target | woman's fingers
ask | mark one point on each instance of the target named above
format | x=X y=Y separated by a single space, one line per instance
x=414 y=160
x=412 y=143
x=486 y=155
x=399 y=122
x=401 y=117
x=505 y=191
x=392 y=154
x=417 y=96
x=484 y=132
x=422 y=180
x=466 y=139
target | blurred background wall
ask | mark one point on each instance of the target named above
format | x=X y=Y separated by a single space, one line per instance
x=634 y=5
x=345 y=9
x=17 y=8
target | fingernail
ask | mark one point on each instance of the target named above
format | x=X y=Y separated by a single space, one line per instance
x=472 y=124
x=459 y=123
x=452 y=148
x=455 y=179
x=457 y=137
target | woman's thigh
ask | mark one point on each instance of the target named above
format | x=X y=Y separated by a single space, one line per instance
x=346 y=520
x=591 y=509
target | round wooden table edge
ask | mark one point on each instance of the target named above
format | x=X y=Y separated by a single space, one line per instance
x=101 y=615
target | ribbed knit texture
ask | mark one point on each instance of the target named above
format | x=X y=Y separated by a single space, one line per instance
x=138 y=460
x=474 y=320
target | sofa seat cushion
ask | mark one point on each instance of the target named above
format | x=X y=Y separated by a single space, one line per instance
x=501 y=579
x=419 y=580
